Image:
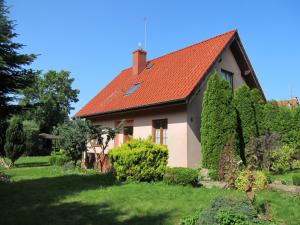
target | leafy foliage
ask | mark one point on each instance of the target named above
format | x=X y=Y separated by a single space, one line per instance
x=229 y=211
x=260 y=180
x=139 y=160
x=15 y=139
x=13 y=74
x=181 y=176
x=191 y=219
x=229 y=164
x=32 y=142
x=3 y=127
x=282 y=159
x=52 y=95
x=59 y=158
x=218 y=120
x=296 y=179
x=260 y=150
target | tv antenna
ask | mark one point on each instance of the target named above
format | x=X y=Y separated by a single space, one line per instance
x=145 y=33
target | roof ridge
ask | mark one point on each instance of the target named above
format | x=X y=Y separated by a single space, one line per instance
x=189 y=46
x=205 y=40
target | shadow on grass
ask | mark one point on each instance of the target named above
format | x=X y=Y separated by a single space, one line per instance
x=33 y=164
x=38 y=202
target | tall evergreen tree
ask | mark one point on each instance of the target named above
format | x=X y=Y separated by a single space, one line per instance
x=13 y=75
x=218 y=120
x=249 y=106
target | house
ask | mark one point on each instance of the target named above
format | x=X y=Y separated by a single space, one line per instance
x=162 y=97
x=292 y=103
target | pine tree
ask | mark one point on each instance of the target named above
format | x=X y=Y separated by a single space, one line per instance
x=15 y=139
x=218 y=120
x=13 y=75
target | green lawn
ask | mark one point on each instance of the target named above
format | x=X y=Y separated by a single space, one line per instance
x=43 y=194
x=286 y=177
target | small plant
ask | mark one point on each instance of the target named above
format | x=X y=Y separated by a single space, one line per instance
x=228 y=211
x=296 y=179
x=181 y=176
x=59 y=158
x=213 y=174
x=191 y=219
x=228 y=166
x=244 y=177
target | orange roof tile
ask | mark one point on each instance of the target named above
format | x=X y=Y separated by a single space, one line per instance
x=172 y=77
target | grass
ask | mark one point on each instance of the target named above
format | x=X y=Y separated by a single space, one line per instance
x=286 y=177
x=43 y=194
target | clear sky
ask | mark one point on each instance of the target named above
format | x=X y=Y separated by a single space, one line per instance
x=94 y=39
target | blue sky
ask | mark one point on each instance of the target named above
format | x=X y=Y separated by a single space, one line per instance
x=94 y=39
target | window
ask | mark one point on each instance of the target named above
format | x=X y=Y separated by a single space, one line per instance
x=128 y=133
x=160 y=131
x=227 y=76
x=133 y=88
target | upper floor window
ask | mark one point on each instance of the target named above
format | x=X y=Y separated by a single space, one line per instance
x=227 y=76
x=160 y=131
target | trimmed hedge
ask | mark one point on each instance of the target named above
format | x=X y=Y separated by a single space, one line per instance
x=59 y=158
x=296 y=179
x=139 y=160
x=181 y=176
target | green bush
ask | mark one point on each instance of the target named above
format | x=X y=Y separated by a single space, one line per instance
x=228 y=211
x=218 y=120
x=191 y=219
x=181 y=176
x=242 y=180
x=213 y=174
x=282 y=159
x=59 y=158
x=139 y=160
x=296 y=179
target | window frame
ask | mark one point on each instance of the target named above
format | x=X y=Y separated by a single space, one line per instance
x=226 y=72
x=163 y=125
x=132 y=89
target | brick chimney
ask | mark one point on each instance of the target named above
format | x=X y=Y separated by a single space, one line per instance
x=139 y=61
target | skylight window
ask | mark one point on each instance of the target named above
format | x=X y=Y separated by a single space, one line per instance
x=133 y=88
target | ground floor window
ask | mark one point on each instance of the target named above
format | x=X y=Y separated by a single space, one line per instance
x=160 y=131
x=128 y=133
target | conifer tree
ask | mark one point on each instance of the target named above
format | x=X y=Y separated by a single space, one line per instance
x=218 y=120
x=15 y=139
x=13 y=75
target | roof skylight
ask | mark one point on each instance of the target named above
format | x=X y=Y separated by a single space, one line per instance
x=132 y=89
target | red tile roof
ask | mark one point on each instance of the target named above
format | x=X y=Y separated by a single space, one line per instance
x=172 y=77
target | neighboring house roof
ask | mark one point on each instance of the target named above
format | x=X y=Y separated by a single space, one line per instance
x=166 y=79
x=293 y=102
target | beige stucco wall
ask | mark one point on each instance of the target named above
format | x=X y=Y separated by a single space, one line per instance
x=194 y=108
x=176 y=133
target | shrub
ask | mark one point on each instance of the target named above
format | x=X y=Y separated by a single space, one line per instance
x=59 y=158
x=32 y=143
x=228 y=211
x=218 y=120
x=191 y=219
x=242 y=180
x=139 y=160
x=213 y=174
x=181 y=176
x=296 y=179
x=282 y=159
x=14 y=139
x=296 y=164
